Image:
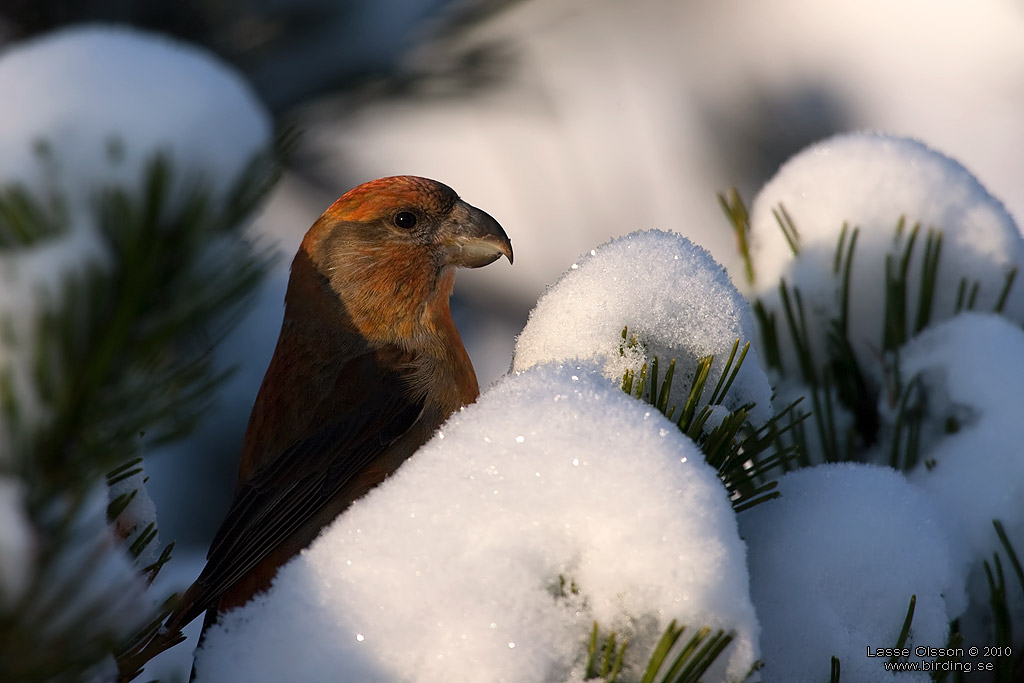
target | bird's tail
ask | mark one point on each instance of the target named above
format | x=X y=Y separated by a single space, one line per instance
x=161 y=635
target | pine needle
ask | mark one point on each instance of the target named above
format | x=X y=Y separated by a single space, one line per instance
x=736 y=211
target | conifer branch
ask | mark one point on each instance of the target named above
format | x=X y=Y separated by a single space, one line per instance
x=120 y=348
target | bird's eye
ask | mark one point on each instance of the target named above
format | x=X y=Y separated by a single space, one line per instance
x=405 y=219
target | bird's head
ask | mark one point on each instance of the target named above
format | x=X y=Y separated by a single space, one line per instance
x=387 y=250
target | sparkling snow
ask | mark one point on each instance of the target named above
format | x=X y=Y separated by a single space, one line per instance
x=449 y=570
x=833 y=563
x=870 y=181
x=671 y=294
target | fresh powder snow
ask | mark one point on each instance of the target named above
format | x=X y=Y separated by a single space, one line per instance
x=671 y=294
x=554 y=500
x=871 y=181
x=833 y=564
x=967 y=376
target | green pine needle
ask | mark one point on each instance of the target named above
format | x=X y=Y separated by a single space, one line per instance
x=904 y=452
x=147 y=536
x=1007 y=668
x=929 y=276
x=153 y=569
x=793 y=308
x=606 y=662
x=736 y=211
x=1001 y=619
x=788 y=228
x=692 y=661
x=844 y=264
x=722 y=389
x=1011 y=553
x=1004 y=293
x=769 y=335
x=693 y=399
x=742 y=455
x=120 y=504
x=665 y=644
x=591 y=671
x=901 y=640
x=124 y=471
x=834 y=673
x=116 y=351
x=26 y=221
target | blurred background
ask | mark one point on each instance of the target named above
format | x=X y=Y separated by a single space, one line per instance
x=570 y=121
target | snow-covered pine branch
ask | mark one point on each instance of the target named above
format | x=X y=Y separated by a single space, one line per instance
x=455 y=568
x=884 y=273
x=128 y=164
x=451 y=569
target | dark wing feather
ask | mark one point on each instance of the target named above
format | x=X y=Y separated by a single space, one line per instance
x=289 y=490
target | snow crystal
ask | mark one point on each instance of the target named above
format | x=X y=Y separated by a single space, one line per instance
x=16 y=542
x=833 y=564
x=969 y=377
x=671 y=294
x=870 y=181
x=553 y=501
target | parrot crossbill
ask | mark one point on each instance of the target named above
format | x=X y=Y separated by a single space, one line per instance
x=367 y=366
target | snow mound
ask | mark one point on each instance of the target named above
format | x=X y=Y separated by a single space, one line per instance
x=968 y=379
x=833 y=563
x=676 y=299
x=870 y=181
x=88 y=106
x=553 y=501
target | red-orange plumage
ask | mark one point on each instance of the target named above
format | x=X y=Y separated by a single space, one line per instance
x=367 y=366
x=369 y=199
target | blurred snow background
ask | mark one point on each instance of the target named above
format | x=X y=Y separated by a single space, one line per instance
x=571 y=121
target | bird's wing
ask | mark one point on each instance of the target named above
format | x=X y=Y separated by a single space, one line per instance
x=280 y=497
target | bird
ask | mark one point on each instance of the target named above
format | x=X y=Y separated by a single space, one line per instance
x=368 y=364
